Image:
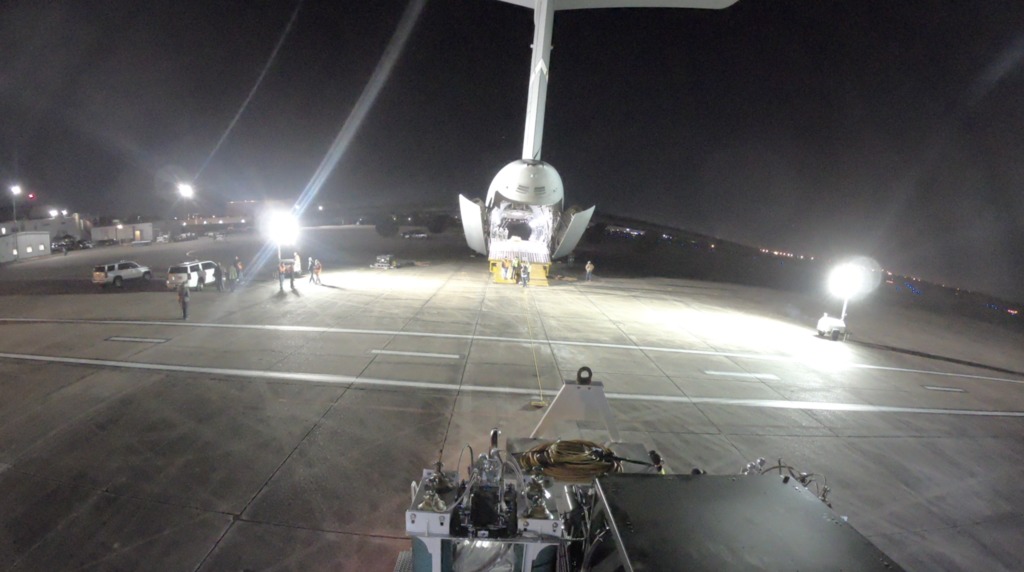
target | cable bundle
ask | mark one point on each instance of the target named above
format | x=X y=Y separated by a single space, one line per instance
x=573 y=461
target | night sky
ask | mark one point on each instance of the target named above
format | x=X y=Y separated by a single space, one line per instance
x=891 y=129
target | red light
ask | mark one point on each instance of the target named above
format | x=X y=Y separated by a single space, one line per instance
x=31 y=196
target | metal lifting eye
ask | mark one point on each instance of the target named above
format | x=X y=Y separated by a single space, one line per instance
x=584 y=375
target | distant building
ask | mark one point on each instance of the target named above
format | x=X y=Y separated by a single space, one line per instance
x=245 y=209
x=60 y=225
x=21 y=245
x=129 y=232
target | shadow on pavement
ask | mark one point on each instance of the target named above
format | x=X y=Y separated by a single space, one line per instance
x=927 y=355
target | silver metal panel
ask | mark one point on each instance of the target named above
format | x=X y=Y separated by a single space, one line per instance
x=573 y=232
x=524 y=3
x=723 y=523
x=582 y=4
x=473 y=224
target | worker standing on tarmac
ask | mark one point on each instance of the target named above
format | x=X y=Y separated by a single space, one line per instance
x=183 y=299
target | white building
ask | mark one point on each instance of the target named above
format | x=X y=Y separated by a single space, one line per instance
x=59 y=225
x=22 y=245
x=126 y=232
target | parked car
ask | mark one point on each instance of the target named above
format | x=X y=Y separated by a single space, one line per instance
x=197 y=274
x=66 y=242
x=83 y=244
x=117 y=273
x=415 y=233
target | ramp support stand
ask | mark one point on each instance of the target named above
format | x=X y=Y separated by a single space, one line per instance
x=579 y=400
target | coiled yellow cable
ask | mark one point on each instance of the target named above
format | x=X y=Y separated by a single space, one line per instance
x=572 y=461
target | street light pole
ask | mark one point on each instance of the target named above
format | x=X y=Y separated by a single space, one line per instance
x=280 y=276
x=15 y=191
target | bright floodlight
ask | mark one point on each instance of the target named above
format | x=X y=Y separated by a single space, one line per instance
x=186 y=190
x=853 y=279
x=16 y=190
x=846 y=281
x=281 y=227
x=53 y=213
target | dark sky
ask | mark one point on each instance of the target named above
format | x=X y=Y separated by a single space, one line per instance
x=891 y=129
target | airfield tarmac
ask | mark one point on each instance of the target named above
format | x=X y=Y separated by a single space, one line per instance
x=280 y=431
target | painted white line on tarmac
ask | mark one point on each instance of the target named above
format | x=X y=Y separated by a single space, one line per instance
x=364 y=381
x=140 y=340
x=744 y=375
x=941 y=388
x=416 y=354
x=471 y=337
x=814 y=405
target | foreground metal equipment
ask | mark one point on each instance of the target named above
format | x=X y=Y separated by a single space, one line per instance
x=542 y=505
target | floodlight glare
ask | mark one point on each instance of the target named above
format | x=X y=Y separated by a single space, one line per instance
x=281 y=227
x=186 y=190
x=846 y=281
x=53 y=213
x=849 y=280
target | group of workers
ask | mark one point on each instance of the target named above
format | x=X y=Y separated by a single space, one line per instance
x=516 y=270
x=225 y=277
x=292 y=268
